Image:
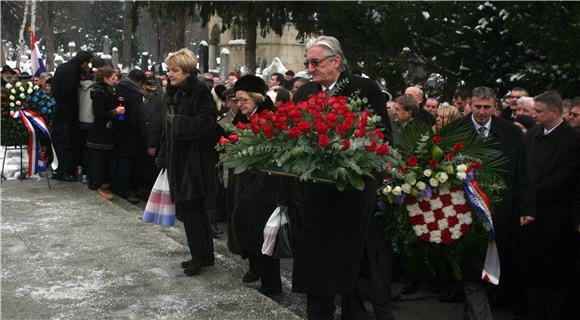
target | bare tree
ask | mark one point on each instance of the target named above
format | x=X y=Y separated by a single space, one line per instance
x=127 y=33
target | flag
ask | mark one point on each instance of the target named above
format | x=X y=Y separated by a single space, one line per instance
x=37 y=64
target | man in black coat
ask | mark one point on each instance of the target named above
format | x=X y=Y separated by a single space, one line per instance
x=517 y=199
x=335 y=225
x=66 y=131
x=126 y=133
x=547 y=241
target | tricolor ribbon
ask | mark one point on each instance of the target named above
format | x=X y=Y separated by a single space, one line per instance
x=482 y=206
x=35 y=125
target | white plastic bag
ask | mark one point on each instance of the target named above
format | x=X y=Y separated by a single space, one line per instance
x=271 y=232
x=160 y=209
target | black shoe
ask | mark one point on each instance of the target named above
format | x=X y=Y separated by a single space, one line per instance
x=410 y=288
x=269 y=293
x=67 y=178
x=132 y=199
x=209 y=263
x=454 y=297
x=215 y=233
x=193 y=269
x=250 y=276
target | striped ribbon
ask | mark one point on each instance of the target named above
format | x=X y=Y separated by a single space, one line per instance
x=35 y=125
x=482 y=206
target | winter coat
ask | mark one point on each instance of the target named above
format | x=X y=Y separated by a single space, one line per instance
x=85 y=104
x=150 y=125
x=101 y=133
x=190 y=133
x=126 y=132
x=335 y=225
x=65 y=91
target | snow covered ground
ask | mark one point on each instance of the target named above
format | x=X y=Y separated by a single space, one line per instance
x=12 y=164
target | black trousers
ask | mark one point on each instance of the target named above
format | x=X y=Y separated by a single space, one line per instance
x=66 y=143
x=269 y=270
x=101 y=163
x=196 y=225
x=353 y=308
x=320 y=307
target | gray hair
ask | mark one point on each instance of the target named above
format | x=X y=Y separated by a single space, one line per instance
x=483 y=93
x=529 y=101
x=332 y=45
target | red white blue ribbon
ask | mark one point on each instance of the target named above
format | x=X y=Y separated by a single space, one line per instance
x=35 y=125
x=482 y=206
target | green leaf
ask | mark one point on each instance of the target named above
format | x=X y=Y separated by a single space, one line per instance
x=356 y=182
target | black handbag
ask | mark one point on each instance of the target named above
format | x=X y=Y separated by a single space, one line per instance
x=284 y=245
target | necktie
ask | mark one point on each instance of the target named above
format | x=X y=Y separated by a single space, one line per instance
x=482 y=132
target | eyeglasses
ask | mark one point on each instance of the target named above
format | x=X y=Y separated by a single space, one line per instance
x=315 y=63
x=242 y=100
x=574 y=114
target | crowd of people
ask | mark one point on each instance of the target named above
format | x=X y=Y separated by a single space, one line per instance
x=121 y=130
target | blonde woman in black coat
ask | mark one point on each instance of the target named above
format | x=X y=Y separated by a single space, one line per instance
x=187 y=151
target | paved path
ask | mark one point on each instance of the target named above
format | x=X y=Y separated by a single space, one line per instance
x=69 y=254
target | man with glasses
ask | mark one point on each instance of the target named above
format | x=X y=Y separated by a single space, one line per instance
x=326 y=262
x=574 y=116
x=517 y=200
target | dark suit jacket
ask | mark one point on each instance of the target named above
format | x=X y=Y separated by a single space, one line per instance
x=555 y=162
x=518 y=199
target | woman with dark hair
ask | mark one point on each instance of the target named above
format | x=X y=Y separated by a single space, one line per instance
x=100 y=138
x=189 y=135
x=254 y=198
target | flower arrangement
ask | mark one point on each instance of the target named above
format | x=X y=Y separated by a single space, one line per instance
x=17 y=96
x=424 y=207
x=327 y=138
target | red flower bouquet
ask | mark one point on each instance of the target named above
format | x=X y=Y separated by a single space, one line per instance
x=327 y=138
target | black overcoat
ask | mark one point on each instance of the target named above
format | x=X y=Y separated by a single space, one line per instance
x=330 y=243
x=517 y=199
x=188 y=139
x=547 y=241
x=65 y=91
x=126 y=132
x=101 y=135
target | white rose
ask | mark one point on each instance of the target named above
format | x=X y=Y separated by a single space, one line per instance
x=442 y=177
x=396 y=191
x=11 y=98
x=386 y=190
x=12 y=104
x=461 y=175
x=427 y=173
x=18 y=84
x=29 y=91
x=35 y=87
x=436 y=204
x=433 y=182
x=22 y=89
x=414 y=210
x=22 y=96
x=406 y=188
x=456 y=235
x=8 y=86
x=435 y=236
x=429 y=217
x=448 y=211
x=412 y=181
x=18 y=103
x=461 y=168
x=421 y=185
x=443 y=224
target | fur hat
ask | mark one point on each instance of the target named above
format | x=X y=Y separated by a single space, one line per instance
x=251 y=83
x=7 y=69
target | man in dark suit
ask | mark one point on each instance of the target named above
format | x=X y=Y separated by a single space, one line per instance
x=326 y=262
x=547 y=241
x=517 y=198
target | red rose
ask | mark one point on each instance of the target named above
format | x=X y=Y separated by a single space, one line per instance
x=304 y=126
x=465 y=228
x=436 y=139
x=446 y=237
x=445 y=199
x=433 y=163
x=452 y=221
x=345 y=144
x=418 y=220
x=424 y=237
x=412 y=161
x=331 y=119
x=321 y=128
x=269 y=132
x=409 y=201
x=358 y=133
x=433 y=226
x=341 y=129
x=458 y=147
x=294 y=133
x=255 y=128
x=366 y=114
x=403 y=170
x=372 y=147
x=233 y=138
x=449 y=156
x=378 y=134
x=473 y=165
x=438 y=214
x=383 y=150
x=223 y=141
x=461 y=208
x=424 y=206
x=242 y=126
x=323 y=140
